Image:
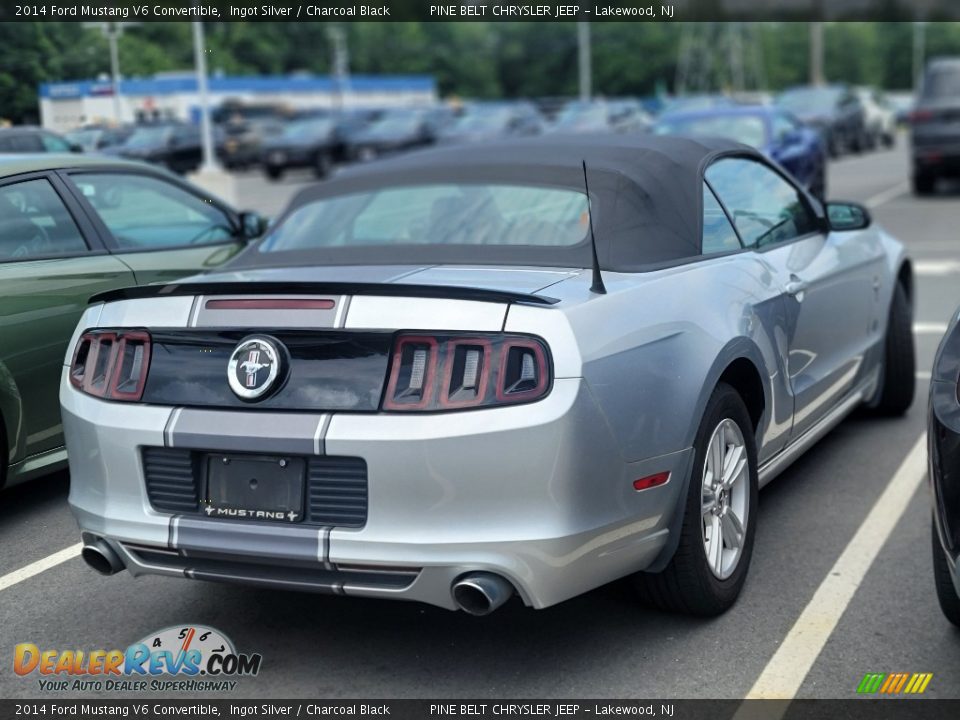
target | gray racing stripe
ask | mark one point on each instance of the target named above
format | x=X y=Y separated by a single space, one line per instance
x=218 y=430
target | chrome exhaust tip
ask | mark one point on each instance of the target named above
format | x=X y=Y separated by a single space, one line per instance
x=101 y=557
x=481 y=593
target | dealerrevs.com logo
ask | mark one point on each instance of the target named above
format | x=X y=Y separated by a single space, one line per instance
x=200 y=658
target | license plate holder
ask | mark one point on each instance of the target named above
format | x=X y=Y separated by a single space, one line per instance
x=255 y=487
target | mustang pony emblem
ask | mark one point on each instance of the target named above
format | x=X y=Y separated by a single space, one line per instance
x=254 y=367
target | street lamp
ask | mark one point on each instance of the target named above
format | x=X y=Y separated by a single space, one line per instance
x=112 y=31
x=206 y=129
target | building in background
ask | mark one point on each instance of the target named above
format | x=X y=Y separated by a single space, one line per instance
x=66 y=105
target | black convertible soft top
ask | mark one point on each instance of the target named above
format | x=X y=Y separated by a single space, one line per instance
x=645 y=193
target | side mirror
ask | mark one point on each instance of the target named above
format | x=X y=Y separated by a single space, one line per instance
x=75 y=148
x=252 y=225
x=844 y=217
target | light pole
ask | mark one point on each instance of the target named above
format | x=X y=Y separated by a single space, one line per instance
x=340 y=64
x=583 y=53
x=206 y=129
x=112 y=31
x=816 y=53
x=919 y=53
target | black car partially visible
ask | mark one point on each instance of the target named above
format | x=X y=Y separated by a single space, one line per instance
x=398 y=130
x=835 y=110
x=935 y=125
x=175 y=146
x=316 y=141
x=28 y=139
x=943 y=440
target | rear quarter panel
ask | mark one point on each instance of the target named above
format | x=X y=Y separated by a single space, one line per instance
x=654 y=347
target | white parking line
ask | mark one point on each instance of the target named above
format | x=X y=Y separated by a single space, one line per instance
x=936 y=268
x=790 y=664
x=929 y=328
x=887 y=195
x=35 y=568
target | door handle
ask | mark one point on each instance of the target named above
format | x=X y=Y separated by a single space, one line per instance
x=796 y=286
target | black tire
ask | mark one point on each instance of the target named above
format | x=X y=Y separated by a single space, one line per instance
x=322 y=165
x=889 y=140
x=923 y=183
x=3 y=455
x=899 y=363
x=946 y=592
x=274 y=172
x=687 y=585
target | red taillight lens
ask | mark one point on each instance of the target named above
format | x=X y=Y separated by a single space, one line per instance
x=918 y=117
x=456 y=372
x=111 y=364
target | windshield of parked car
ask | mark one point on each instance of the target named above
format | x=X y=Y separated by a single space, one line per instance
x=747 y=129
x=150 y=136
x=942 y=82
x=441 y=214
x=306 y=129
x=396 y=123
x=581 y=115
x=482 y=120
x=809 y=100
x=87 y=139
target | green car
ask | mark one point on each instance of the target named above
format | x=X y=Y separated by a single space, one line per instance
x=72 y=226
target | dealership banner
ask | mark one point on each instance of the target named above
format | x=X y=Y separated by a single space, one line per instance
x=489 y=709
x=476 y=10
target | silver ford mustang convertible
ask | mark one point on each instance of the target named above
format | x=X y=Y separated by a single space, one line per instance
x=470 y=373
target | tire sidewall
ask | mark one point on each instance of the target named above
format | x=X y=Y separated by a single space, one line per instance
x=725 y=403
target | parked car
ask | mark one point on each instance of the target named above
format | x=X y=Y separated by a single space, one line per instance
x=241 y=143
x=72 y=226
x=28 y=139
x=318 y=141
x=437 y=379
x=397 y=130
x=95 y=138
x=483 y=122
x=902 y=104
x=776 y=133
x=835 y=110
x=619 y=116
x=175 y=146
x=934 y=133
x=879 y=118
x=697 y=101
x=943 y=441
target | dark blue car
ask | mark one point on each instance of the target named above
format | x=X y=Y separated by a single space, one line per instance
x=798 y=148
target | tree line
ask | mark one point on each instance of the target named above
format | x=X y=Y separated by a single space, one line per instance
x=481 y=60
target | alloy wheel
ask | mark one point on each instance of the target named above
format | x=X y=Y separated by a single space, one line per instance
x=725 y=498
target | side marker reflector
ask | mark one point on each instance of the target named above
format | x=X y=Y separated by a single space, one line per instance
x=651 y=481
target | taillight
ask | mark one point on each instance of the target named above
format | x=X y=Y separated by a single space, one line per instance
x=918 y=117
x=456 y=372
x=111 y=364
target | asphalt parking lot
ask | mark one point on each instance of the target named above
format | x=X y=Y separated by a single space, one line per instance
x=815 y=521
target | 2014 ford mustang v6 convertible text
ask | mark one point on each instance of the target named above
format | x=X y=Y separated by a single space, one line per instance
x=532 y=367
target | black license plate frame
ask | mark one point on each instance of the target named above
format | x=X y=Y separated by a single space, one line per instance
x=255 y=487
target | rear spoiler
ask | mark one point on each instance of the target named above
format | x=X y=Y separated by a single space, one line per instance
x=447 y=292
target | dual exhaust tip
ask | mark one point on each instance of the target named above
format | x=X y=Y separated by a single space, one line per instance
x=101 y=557
x=478 y=593
x=481 y=593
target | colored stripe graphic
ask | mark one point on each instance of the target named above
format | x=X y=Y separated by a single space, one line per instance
x=894 y=683
x=871 y=683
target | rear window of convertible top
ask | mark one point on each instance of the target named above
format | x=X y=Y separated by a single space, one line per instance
x=440 y=214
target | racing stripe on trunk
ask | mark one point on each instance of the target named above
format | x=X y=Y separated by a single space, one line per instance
x=263 y=432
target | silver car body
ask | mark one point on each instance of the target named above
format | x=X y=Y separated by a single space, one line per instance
x=540 y=493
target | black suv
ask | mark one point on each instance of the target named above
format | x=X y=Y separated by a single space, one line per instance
x=935 y=125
